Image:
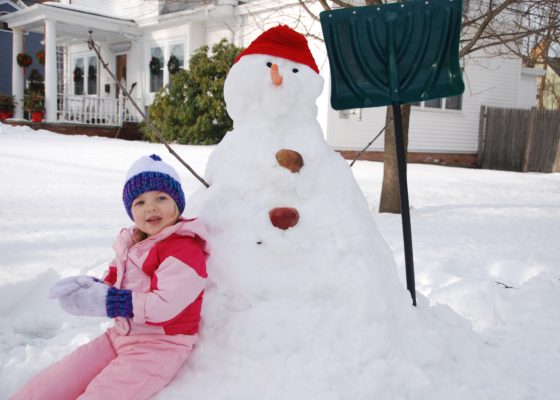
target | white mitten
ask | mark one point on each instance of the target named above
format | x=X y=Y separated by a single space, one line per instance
x=90 y=299
x=70 y=284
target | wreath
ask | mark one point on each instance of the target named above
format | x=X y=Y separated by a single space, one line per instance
x=40 y=57
x=78 y=74
x=155 y=65
x=92 y=72
x=173 y=65
x=24 y=60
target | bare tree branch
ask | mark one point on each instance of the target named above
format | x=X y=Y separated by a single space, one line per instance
x=326 y=7
x=342 y=4
x=489 y=17
x=308 y=11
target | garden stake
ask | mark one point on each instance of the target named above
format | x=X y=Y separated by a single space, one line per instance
x=91 y=45
x=367 y=146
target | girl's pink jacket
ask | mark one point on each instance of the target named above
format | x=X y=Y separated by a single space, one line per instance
x=166 y=274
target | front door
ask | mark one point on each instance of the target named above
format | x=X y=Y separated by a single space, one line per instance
x=121 y=71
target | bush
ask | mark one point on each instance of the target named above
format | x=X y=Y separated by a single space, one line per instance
x=191 y=109
x=34 y=97
x=7 y=103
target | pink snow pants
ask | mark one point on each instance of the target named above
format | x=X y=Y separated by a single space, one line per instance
x=113 y=366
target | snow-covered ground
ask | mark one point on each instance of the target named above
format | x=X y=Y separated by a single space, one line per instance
x=485 y=244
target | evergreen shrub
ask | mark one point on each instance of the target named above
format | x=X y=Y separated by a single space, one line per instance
x=191 y=108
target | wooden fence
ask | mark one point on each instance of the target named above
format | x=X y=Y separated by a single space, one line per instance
x=525 y=140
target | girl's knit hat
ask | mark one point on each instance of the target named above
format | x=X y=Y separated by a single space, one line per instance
x=150 y=173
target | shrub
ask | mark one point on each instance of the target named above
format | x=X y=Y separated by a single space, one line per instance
x=7 y=103
x=34 y=97
x=191 y=109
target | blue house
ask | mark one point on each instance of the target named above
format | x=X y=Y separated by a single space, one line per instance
x=32 y=44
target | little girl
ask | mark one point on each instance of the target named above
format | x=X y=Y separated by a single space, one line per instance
x=153 y=290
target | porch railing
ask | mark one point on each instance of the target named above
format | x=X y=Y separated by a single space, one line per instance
x=93 y=110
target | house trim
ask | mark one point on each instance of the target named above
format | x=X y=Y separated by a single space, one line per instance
x=33 y=18
x=467 y=160
x=533 y=71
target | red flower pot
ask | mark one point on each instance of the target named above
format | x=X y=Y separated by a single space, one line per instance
x=37 y=116
x=4 y=115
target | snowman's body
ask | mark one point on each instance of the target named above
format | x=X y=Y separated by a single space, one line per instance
x=316 y=310
x=244 y=172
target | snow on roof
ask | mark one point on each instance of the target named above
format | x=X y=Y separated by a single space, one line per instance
x=84 y=10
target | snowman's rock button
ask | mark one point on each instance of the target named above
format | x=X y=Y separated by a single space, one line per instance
x=290 y=159
x=283 y=217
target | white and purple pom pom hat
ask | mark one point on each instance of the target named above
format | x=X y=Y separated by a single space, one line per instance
x=151 y=173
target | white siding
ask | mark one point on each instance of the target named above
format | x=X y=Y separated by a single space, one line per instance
x=527 y=91
x=216 y=31
x=488 y=81
x=127 y=9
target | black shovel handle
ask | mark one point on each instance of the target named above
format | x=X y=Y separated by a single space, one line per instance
x=405 y=209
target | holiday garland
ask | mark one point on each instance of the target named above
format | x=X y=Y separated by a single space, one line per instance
x=78 y=74
x=173 y=65
x=40 y=56
x=155 y=65
x=24 y=60
x=92 y=72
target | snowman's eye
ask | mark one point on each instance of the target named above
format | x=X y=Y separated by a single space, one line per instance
x=269 y=64
x=295 y=70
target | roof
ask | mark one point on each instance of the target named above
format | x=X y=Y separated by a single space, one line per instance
x=82 y=10
x=29 y=3
x=73 y=23
x=171 y=6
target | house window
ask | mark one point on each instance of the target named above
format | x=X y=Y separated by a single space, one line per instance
x=448 y=103
x=60 y=70
x=178 y=50
x=354 y=113
x=92 y=75
x=156 y=78
x=454 y=103
x=434 y=103
x=78 y=76
x=85 y=75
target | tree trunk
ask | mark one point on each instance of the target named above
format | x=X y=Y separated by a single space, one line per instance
x=390 y=197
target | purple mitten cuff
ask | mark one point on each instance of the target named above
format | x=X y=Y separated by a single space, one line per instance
x=119 y=303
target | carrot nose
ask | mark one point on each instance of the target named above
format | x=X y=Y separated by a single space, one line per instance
x=275 y=75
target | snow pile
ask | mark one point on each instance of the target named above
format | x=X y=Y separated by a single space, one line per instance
x=301 y=320
x=317 y=310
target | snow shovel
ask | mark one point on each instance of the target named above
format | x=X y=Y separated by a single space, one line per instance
x=394 y=54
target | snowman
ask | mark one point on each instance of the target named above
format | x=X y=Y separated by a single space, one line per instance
x=280 y=198
x=303 y=301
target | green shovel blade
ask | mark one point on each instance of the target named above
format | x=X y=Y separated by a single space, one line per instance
x=395 y=53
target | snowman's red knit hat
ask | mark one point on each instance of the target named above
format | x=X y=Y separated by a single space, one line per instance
x=282 y=41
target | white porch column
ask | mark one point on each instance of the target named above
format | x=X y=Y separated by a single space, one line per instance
x=50 y=71
x=17 y=72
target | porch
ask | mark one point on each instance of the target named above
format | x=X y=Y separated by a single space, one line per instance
x=95 y=110
x=65 y=99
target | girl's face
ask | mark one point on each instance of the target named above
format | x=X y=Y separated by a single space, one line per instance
x=154 y=211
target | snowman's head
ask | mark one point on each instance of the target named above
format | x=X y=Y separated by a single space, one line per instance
x=274 y=78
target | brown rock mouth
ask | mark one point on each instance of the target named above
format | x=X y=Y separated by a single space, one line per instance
x=290 y=159
x=284 y=217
